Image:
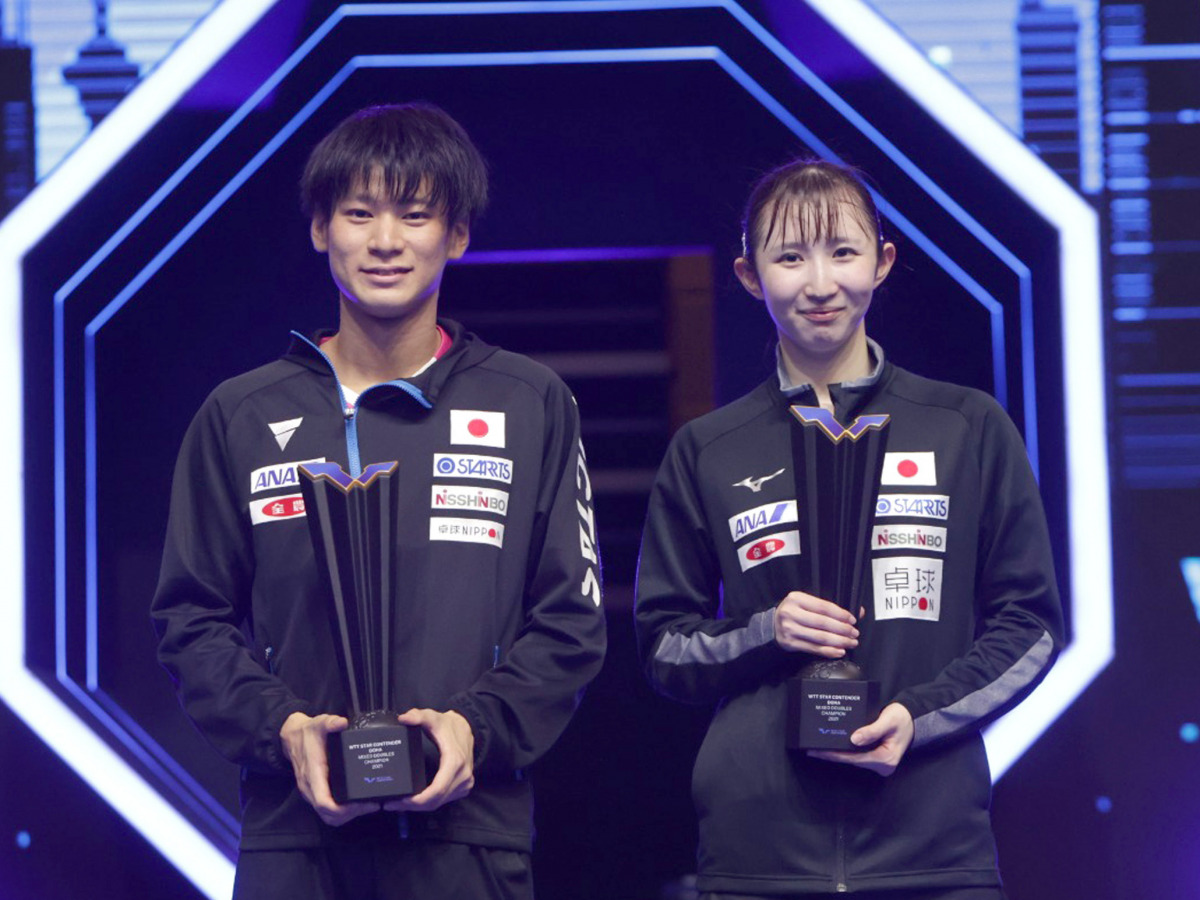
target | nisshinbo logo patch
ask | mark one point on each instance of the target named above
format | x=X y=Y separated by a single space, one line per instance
x=460 y=496
x=915 y=537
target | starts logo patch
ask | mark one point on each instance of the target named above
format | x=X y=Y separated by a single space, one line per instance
x=464 y=465
x=918 y=506
x=907 y=587
x=909 y=468
x=477 y=427
x=786 y=543
x=276 y=509
x=470 y=531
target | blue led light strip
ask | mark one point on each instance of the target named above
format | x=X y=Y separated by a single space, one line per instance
x=575 y=254
x=1190 y=567
x=1152 y=53
x=159 y=762
x=1143 y=313
x=1159 y=379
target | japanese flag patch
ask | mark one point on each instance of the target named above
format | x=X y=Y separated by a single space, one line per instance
x=477 y=427
x=909 y=468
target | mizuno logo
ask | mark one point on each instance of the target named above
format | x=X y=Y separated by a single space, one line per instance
x=823 y=419
x=284 y=430
x=755 y=484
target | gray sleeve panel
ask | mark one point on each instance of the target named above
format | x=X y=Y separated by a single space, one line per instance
x=701 y=649
x=975 y=706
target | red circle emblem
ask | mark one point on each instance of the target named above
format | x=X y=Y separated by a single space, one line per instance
x=477 y=427
x=907 y=468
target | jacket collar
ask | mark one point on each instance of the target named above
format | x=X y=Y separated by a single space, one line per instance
x=466 y=350
x=848 y=396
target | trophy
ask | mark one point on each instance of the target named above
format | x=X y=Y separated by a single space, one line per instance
x=837 y=473
x=353 y=523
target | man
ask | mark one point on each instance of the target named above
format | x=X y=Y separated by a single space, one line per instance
x=498 y=624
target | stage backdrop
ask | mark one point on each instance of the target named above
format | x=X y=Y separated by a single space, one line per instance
x=168 y=253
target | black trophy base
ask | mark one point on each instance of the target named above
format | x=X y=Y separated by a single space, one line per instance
x=378 y=760
x=827 y=702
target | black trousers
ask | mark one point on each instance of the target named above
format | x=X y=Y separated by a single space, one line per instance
x=394 y=870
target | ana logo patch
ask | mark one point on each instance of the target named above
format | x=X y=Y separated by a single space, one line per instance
x=918 y=506
x=282 y=475
x=276 y=509
x=903 y=537
x=786 y=543
x=761 y=517
x=460 y=496
x=471 y=531
x=907 y=587
x=464 y=465
x=284 y=430
x=477 y=427
x=909 y=468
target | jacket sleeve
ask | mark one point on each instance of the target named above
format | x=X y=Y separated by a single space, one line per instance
x=518 y=709
x=1020 y=626
x=202 y=604
x=689 y=650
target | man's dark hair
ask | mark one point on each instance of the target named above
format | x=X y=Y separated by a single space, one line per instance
x=416 y=150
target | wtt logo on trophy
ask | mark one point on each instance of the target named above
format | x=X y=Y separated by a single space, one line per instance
x=353 y=524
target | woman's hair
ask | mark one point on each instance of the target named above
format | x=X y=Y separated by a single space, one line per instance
x=806 y=194
x=415 y=150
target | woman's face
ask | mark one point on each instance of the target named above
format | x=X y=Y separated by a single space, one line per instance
x=817 y=282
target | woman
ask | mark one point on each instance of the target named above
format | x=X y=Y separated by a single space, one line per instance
x=956 y=626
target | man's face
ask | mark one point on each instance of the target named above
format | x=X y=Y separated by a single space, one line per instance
x=387 y=258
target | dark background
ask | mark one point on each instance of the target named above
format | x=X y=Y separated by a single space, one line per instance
x=635 y=173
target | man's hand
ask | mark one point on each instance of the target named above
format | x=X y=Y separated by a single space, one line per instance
x=303 y=740
x=455 y=775
x=808 y=624
x=893 y=731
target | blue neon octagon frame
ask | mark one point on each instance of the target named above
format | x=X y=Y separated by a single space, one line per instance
x=119 y=782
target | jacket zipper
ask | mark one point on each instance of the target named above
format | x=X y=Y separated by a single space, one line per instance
x=839 y=857
x=350 y=415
